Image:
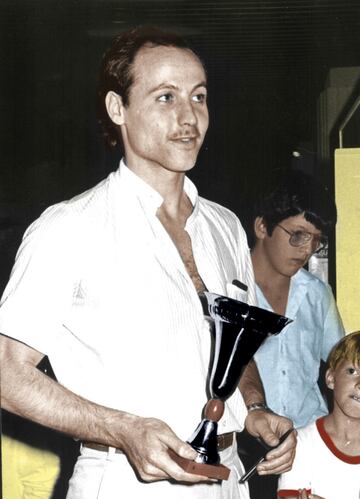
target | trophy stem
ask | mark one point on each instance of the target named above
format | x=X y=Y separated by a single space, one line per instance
x=204 y=439
x=205 y=442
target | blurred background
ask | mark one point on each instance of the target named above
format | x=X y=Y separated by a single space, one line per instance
x=280 y=74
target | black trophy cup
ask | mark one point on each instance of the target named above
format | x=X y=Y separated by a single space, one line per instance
x=240 y=329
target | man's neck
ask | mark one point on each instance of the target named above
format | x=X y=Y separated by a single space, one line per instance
x=169 y=184
x=175 y=211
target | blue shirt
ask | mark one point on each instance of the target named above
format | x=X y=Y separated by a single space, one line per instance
x=289 y=362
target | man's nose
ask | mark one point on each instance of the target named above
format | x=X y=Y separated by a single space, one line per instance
x=186 y=113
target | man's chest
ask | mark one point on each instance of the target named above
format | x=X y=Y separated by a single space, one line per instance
x=152 y=265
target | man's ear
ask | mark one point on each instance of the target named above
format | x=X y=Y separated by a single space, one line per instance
x=260 y=228
x=115 y=108
x=330 y=378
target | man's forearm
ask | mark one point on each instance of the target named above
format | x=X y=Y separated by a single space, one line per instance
x=29 y=393
x=34 y=396
x=251 y=386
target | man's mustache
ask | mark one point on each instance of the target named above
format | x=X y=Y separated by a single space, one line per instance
x=188 y=133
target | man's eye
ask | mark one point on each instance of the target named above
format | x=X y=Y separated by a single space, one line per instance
x=199 y=97
x=166 y=98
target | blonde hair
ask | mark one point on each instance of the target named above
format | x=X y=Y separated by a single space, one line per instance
x=348 y=348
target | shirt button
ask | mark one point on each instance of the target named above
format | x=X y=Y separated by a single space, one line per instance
x=283 y=372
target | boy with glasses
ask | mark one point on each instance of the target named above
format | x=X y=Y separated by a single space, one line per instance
x=292 y=222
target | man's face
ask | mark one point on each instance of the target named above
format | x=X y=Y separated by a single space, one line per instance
x=167 y=117
x=283 y=258
x=345 y=382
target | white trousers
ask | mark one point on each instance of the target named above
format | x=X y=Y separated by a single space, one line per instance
x=106 y=475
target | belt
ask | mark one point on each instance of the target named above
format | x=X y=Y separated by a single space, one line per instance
x=224 y=441
x=101 y=447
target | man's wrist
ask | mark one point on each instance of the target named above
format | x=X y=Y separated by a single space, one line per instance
x=258 y=406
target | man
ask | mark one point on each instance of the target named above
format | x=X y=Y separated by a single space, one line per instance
x=292 y=222
x=107 y=286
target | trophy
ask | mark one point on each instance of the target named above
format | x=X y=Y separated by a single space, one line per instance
x=239 y=331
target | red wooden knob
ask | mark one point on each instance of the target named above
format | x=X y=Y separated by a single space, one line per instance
x=214 y=409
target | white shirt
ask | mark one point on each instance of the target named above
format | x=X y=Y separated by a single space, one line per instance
x=320 y=467
x=99 y=286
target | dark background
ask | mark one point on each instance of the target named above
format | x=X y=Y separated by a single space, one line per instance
x=267 y=62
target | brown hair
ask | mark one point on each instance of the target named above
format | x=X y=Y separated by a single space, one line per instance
x=348 y=348
x=116 y=70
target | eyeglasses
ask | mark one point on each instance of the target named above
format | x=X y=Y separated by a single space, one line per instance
x=300 y=238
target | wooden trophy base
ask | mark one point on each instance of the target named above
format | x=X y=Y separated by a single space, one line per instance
x=217 y=471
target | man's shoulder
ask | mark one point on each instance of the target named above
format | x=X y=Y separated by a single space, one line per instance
x=90 y=201
x=223 y=224
x=72 y=217
x=93 y=197
x=218 y=211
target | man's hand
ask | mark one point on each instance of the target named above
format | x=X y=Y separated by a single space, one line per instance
x=302 y=494
x=146 y=445
x=270 y=427
x=29 y=393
